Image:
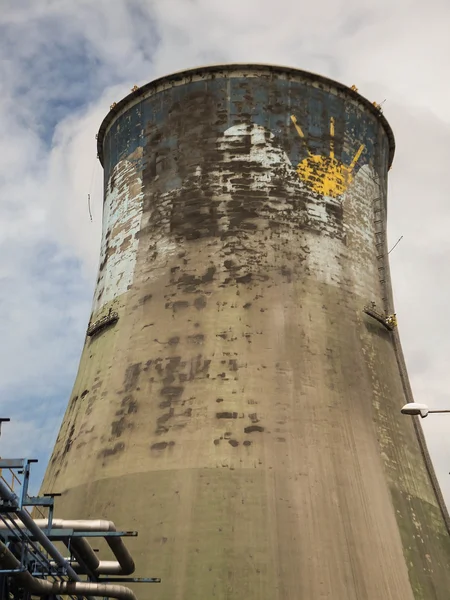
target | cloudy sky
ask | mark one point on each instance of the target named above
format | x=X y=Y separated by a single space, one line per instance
x=63 y=62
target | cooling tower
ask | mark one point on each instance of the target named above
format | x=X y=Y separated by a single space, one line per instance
x=234 y=403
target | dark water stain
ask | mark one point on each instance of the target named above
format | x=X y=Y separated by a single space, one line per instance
x=172 y=391
x=198 y=338
x=162 y=445
x=165 y=417
x=69 y=440
x=118 y=427
x=200 y=302
x=286 y=272
x=189 y=283
x=179 y=305
x=226 y=415
x=131 y=376
x=252 y=428
x=119 y=447
x=228 y=264
x=129 y=404
x=244 y=278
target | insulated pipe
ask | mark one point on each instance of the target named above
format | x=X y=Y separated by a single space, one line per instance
x=83 y=553
x=125 y=564
x=42 y=587
x=83 y=550
x=105 y=567
x=90 y=560
x=31 y=525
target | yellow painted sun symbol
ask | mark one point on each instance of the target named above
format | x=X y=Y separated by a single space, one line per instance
x=325 y=174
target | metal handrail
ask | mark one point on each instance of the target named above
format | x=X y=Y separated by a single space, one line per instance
x=11 y=489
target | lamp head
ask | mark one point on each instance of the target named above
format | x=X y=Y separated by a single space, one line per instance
x=414 y=409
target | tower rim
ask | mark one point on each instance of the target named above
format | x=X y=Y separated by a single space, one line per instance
x=117 y=108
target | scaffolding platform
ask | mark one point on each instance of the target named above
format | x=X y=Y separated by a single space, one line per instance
x=97 y=326
x=388 y=321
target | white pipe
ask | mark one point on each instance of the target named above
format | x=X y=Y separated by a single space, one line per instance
x=106 y=567
x=42 y=587
x=84 y=554
x=123 y=566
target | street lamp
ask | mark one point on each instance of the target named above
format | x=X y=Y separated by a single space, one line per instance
x=414 y=409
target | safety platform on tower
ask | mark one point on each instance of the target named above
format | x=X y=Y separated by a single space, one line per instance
x=388 y=321
x=95 y=327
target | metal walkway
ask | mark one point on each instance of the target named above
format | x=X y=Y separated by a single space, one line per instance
x=30 y=563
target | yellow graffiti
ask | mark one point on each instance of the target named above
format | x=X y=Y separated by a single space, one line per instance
x=325 y=174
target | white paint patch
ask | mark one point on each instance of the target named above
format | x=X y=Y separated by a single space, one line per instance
x=161 y=245
x=324 y=262
x=122 y=214
x=264 y=160
x=324 y=257
x=336 y=263
x=262 y=150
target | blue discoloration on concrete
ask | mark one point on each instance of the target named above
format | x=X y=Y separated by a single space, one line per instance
x=263 y=101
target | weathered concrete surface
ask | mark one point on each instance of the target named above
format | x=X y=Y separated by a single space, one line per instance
x=243 y=414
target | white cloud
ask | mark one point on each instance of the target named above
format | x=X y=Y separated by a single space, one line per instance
x=63 y=62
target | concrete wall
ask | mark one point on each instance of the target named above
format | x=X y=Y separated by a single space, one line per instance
x=243 y=413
